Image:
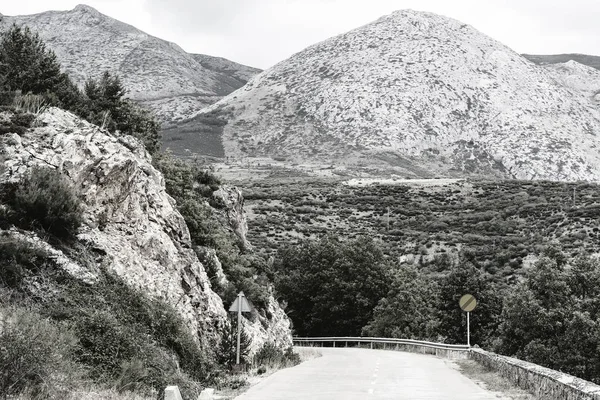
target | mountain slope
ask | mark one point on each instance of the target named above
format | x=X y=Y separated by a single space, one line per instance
x=417 y=93
x=590 y=61
x=158 y=73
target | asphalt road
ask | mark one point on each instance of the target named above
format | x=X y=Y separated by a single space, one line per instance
x=362 y=374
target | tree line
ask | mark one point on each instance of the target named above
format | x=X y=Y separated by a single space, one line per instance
x=550 y=316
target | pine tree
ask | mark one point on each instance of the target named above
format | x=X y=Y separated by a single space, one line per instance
x=107 y=107
x=26 y=64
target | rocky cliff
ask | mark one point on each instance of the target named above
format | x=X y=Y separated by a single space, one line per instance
x=130 y=220
x=419 y=94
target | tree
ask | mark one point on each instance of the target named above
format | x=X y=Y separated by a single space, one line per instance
x=553 y=317
x=26 y=64
x=408 y=310
x=106 y=106
x=332 y=286
x=465 y=277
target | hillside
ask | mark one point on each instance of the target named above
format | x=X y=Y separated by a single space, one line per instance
x=91 y=239
x=590 y=61
x=504 y=224
x=161 y=75
x=415 y=94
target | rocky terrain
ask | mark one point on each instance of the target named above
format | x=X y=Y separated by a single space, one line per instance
x=418 y=95
x=161 y=75
x=130 y=223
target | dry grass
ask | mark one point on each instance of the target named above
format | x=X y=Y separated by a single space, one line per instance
x=307 y=353
x=492 y=381
x=92 y=393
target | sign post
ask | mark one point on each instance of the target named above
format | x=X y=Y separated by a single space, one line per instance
x=468 y=303
x=240 y=305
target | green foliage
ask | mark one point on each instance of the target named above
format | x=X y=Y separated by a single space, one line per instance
x=19 y=260
x=553 y=317
x=106 y=106
x=501 y=223
x=227 y=354
x=18 y=122
x=45 y=200
x=129 y=326
x=26 y=64
x=466 y=278
x=409 y=309
x=271 y=356
x=331 y=286
x=28 y=67
x=124 y=337
x=35 y=355
x=192 y=187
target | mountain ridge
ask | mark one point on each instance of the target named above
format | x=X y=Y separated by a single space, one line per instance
x=423 y=94
x=157 y=73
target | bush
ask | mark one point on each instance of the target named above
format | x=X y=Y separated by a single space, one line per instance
x=271 y=356
x=227 y=354
x=35 y=355
x=17 y=260
x=45 y=200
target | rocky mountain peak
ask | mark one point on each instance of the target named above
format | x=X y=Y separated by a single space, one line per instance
x=421 y=94
x=85 y=8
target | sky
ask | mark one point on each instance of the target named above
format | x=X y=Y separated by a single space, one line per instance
x=261 y=33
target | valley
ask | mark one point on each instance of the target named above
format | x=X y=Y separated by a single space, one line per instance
x=503 y=224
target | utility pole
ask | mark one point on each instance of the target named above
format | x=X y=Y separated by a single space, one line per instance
x=388 y=219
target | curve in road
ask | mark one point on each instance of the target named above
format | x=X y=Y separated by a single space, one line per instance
x=362 y=374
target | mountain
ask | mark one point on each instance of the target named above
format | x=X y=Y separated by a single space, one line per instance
x=159 y=74
x=590 y=61
x=415 y=94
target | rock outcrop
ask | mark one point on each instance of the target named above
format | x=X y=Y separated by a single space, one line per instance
x=131 y=220
x=231 y=201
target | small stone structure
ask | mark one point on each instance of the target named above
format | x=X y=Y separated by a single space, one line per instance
x=544 y=383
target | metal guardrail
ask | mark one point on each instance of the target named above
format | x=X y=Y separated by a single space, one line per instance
x=372 y=340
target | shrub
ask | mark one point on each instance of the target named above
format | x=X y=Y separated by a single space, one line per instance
x=17 y=260
x=227 y=354
x=46 y=200
x=271 y=356
x=35 y=354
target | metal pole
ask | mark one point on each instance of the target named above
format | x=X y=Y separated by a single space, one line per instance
x=239 y=332
x=468 y=330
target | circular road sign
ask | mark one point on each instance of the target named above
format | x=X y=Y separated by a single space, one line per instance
x=467 y=303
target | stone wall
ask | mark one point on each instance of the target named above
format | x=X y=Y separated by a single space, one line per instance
x=544 y=383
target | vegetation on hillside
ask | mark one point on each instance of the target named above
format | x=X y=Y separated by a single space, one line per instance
x=525 y=250
x=505 y=225
x=27 y=67
x=192 y=187
x=103 y=334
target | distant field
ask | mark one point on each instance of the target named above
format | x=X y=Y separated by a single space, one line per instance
x=506 y=224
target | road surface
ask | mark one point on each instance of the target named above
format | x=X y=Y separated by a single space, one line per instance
x=362 y=374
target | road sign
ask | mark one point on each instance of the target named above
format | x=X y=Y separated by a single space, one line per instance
x=240 y=300
x=239 y=306
x=467 y=303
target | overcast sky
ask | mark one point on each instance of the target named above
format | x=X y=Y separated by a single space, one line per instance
x=261 y=33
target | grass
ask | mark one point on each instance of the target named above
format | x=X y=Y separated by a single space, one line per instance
x=492 y=381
